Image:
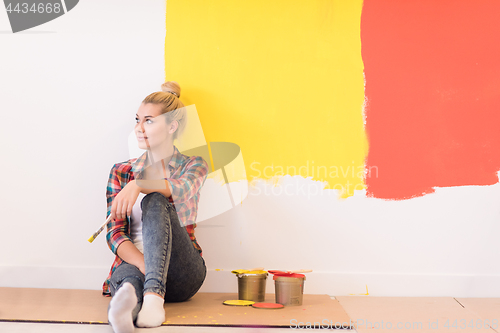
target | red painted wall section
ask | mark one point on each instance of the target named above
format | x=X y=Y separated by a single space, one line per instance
x=432 y=72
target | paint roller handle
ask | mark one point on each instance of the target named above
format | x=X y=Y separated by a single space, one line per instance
x=94 y=236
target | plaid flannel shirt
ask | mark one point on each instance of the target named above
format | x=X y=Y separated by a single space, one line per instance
x=187 y=175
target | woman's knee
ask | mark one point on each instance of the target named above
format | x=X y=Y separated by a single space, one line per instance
x=127 y=269
x=156 y=196
x=182 y=289
x=154 y=199
x=182 y=295
x=124 y=272
x=155 y=210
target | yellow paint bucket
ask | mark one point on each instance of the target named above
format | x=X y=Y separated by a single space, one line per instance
x=252 y=285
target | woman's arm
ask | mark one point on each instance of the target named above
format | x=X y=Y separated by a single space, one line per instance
x=121 y=195
x=190 y=182
x=150 y=186
x=124 y=201
x=117 y=228
x=128 y=251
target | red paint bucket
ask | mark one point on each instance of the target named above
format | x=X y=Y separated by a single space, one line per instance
x=289 y=288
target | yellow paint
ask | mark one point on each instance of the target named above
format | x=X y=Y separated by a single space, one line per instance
x=246 y=271
x=237 y=302
x=363 y=294
x=284 y=81
x=211 y=157
x=194 y=131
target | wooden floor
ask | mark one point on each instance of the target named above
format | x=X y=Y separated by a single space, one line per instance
x=84 y=328
x=422 y=314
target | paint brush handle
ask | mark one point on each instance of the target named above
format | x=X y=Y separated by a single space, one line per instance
x=301 y=271
x=94 y=236
x=257 y=269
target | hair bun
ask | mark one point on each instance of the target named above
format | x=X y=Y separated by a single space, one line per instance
x=171 y=86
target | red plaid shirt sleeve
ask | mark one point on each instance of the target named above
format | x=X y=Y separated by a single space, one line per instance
x=185 y=190
x=117 y=230
x=189 y=183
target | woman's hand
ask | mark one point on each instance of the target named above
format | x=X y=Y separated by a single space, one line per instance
x=125 y=200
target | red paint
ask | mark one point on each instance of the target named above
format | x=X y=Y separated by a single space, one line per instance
x=432 y=73
x=285 y=274
x=289 y=275
x=268 y=306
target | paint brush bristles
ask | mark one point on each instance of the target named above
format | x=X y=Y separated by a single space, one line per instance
x=94 y=236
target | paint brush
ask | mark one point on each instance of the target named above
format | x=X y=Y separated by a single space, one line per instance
x=243 y=271
x=94 y=236
x=298 y=271
x=301 y=271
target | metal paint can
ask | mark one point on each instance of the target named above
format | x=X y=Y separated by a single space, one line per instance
x=252 y=286
x=289 y=289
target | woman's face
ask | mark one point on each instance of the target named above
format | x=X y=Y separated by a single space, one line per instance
x=151 y=128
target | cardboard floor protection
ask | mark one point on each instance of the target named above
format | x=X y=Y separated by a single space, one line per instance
x=413 y=314
x=89 y=306
x=53 y=305
x=207 y=309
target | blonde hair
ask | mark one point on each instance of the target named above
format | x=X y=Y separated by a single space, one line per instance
x=170 y=103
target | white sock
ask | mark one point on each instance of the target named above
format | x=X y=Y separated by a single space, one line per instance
x=152 y=313
x=121 y=306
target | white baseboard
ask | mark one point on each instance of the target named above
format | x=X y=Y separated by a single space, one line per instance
x=331 y=283
x=53 y=277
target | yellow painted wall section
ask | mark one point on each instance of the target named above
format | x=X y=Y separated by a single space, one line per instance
x=282 y=79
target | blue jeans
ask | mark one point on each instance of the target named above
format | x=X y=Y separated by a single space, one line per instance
x=174 y=267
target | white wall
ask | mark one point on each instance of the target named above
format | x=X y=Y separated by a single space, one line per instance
x=443 y=244
x=69 y=93
x=69 y=90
